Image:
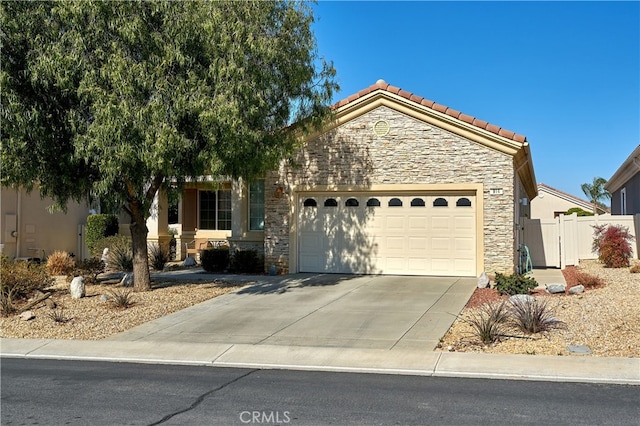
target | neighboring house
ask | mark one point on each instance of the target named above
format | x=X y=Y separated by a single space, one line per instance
x=551 y=202
x=395 y=184
x=624 y=186
x=29 y=230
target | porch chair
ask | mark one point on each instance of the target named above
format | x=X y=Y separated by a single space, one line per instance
x=196 y=247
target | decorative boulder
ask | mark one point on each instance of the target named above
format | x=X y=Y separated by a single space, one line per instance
x=483 y=280
x=127 y=280
x=578 y=289
x=524 y=298
x=27 y=315
x=556 y=288
x=189 y=261
x=77 y=288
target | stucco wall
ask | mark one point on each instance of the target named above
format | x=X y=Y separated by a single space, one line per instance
x=38 y=230
x=545 y=204
x=413 y=152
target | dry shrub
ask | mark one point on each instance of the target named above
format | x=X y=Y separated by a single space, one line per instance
x=60 y=263
x=575 y=277
x=635 y=269
x=18 y=280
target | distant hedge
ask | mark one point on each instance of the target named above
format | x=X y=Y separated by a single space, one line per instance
x=100 y=226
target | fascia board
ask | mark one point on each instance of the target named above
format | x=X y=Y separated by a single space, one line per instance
x=627 y=170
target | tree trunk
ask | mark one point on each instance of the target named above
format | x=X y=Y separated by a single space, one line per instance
x=139 y=231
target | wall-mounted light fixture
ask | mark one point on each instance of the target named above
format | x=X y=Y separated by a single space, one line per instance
x=279 y=191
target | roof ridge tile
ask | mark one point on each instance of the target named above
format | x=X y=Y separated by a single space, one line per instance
x=382 y=85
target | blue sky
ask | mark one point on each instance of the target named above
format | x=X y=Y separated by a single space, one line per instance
x=564 y=74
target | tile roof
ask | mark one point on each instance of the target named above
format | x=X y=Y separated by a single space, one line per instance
x=382 y=85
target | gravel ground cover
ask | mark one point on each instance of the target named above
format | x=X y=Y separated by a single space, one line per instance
x=605 y=319
x=93 y=318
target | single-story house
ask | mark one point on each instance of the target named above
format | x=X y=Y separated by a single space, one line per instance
x=395 y=184
x=624 y=186
x=552 y=202
x=29 y=230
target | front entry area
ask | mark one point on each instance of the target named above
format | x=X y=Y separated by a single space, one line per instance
x=400 y=233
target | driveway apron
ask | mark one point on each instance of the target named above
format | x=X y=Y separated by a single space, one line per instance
x=325 y=310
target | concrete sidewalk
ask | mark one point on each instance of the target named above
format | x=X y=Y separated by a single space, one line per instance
x=366 y=324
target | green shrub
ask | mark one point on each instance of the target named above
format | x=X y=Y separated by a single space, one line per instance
x=514 y=284
x=246 y=261
x=215 y=259
x=158 y=256
x=100 y=226
x=489 y=321
x=613 y=245
x=18 y=280
x=533 y=316
x=578 y=211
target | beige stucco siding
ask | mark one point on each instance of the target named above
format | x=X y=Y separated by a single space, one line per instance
x=39 y=233
x=413 y=152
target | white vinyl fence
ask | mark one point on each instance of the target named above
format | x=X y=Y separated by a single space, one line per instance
x=563 y=241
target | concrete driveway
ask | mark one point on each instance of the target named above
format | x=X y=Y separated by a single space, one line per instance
x=377 y=312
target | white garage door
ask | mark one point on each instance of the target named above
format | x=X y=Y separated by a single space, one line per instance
x=398 y=234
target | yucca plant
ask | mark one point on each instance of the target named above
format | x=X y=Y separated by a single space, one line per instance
x=158 y=256
x=533 y=316
x=58 y=316
x=489 y=321
x=122 y=298
x=60 y=263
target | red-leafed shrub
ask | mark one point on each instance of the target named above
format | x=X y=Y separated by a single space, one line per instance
x=613 y=245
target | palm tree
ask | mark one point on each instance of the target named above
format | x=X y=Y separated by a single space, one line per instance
x=596 y=192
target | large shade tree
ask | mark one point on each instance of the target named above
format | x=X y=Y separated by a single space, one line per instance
x=114 y=99
x=595 y=192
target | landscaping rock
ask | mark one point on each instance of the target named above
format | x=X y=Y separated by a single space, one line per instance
x=556 y=288
x=27 y=315
x=104 y=298
x=77 y=288
x=127 y=280
x=578 y=289
x=524 y=298
x=189 y=261
x=483 y=280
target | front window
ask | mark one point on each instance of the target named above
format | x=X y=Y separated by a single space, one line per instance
x=215 y=210
x=256 y=206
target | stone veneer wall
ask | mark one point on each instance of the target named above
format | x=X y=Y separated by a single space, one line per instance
x=413 y=152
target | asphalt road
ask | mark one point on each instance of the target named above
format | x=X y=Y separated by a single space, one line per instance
x=47 y=392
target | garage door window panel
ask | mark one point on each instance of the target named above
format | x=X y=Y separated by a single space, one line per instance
x=440 y=202
x=417 y=202
x=463 y=202
x=395 y=202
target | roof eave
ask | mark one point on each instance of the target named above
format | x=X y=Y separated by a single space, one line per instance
x=625 y=172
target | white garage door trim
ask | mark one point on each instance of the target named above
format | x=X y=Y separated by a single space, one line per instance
x=405 y=240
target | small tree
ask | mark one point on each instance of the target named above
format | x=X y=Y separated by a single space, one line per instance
x=116 y=99
x=613 y=245
x=596 y=192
